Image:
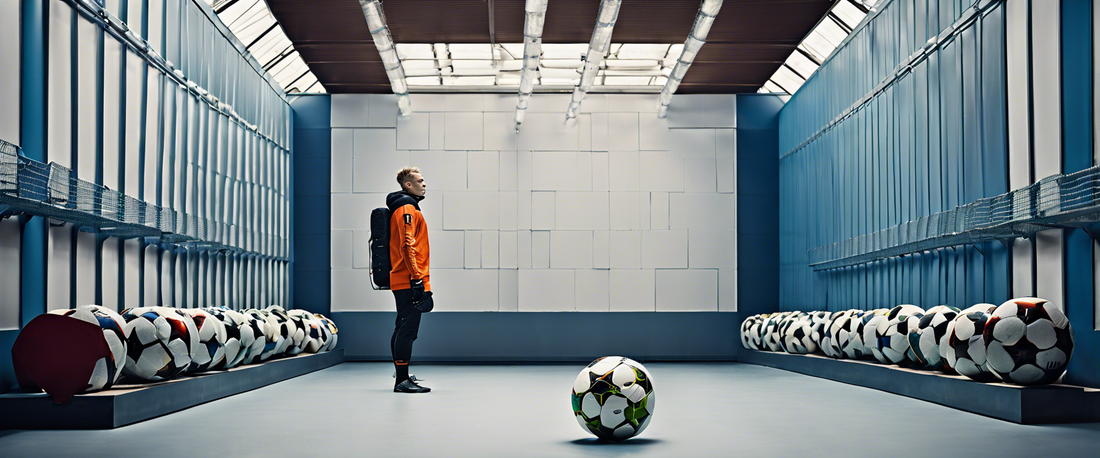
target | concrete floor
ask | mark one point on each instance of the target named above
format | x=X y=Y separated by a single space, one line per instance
x=485 y=411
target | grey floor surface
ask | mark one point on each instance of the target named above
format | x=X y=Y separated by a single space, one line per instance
x=488 y=411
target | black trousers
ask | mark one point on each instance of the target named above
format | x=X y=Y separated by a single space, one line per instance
x=406 y=327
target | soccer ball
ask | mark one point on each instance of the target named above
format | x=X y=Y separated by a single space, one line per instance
x=852 y=339
x=770 y=333
x=746 y=328
x=235 y=351
x=819 y=324
x=301 y=333
x=756 y=333
x=931 y=332
x=255 y=323
x=280 y=321
x=332 y=330
x=965 y=349
x=894 y=331
x=108 y=369
x=872 y=340
x=274 y=333
x=784 y=325
x=1028 y=341
x=161 y=343
x=211 y=350
x=613 y=398
x=837 y=334
x=314 y=338
x=858 y=348
x=796 y=336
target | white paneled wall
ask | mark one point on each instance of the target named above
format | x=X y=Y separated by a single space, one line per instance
x=619 y=211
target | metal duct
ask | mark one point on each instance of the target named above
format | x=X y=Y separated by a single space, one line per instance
x=708 y=10
x=376 y=21
x=532 y=50
x=597 y=47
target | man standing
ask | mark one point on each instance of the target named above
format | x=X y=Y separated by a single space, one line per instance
x=409 y=278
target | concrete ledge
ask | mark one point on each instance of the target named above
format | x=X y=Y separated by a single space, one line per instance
x=126 y=404
x=1025 y=405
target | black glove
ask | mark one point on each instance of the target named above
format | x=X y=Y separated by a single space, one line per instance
x=417 y=291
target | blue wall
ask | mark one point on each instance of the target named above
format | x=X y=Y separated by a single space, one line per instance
x=310 y=209
x=757 y=203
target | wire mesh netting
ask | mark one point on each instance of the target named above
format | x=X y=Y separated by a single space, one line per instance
x=52 y=191
x=1071 y=200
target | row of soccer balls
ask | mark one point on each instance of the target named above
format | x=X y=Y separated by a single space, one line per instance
x=159 y=343
x=1026 y=341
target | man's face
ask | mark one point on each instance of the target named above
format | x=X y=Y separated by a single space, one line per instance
x=417 y=187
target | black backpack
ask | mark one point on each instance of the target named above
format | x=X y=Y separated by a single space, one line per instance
x=379 y=253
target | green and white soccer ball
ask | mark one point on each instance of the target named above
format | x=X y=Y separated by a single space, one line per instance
x=613 y=398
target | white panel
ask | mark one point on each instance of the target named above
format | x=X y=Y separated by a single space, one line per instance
x=442 y=170
x=600 y=139
x=561 y=171
x=703 y=211
x=625 y=249
x=508 y=250
x=464 y=102
x=542 y=210
x=546 y=290
x=131 y=273
x=87 y=46
x=548 y=132
x=584 y=124
x=1049 y=269
x=631 y=290
x=659 y=211
x=523 y=249
x=595 y=103
x=156 y=31
x=342 y=162
x=601 y=249
x=622 y=131
x=524 y=164
x=413 y=131
x=727 y=290
x=500 y=131
x=622 y=171
x=700 y=175
x=58 y=268
x=352 y=211
x=1023 y=268
x=10 y=19
x=726 y=153
x=687 y=290
x=437 y=127
x=661 y=171
x=641 y=103
x=448 y=249
x=593 y=294
x=570 y=249
x=549 y=103
x=135 y=78
x=342 y=249
x=463 y=290
x=641 y=203
x=110 y=274
x=601 y=172
x=85 y=268
x=471 y=210
x=151 y=278
x=697 y=143
x=540 y=249
x=653 y=133
x=112 y=112
x=490 y=250
x=350 y=110
x=509 y=168
x=428 y=102
x=712 y=249
x=473 y=250
x=351 y=292
x=581 y=211
x=523 y=210
x=508 y=280
x=703 y=110
x=483 y=172
x=503 y=103
x=664 y=249
x=10 y=247
x=154 y=116
x=508 y=211
x=1046 y=88
x=463 y=131
x=360 y=248
x=377 y=160
x=383 y=110
x=59 y=125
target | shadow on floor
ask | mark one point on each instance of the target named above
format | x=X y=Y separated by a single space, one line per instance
x=630 y=443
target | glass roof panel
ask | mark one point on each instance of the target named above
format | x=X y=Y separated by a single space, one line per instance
x=848 y=13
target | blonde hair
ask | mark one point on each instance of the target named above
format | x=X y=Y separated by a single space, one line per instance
x=405 y=175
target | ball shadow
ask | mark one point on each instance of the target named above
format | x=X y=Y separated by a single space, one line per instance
x=594 y=442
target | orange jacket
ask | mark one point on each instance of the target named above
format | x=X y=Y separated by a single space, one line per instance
x=409 y=250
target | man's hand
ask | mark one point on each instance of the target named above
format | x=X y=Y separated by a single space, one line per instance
x=417 y=291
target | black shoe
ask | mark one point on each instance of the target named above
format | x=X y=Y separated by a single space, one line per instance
x=409 y=386
x=411 y=377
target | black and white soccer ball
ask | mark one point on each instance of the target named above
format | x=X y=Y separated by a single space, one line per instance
x=107 y=369
x=210 y=353
x=858 y=348
x=292 y=336
x=771 y=331
x=255 y=323
x=965 y=349
x=796 y=336
x=234 y=351
x=837 y=334
x=314 y=338
x=161 y=344
x=746 y=328
x=333 y=332
x=931 y=332
x=300 y=337
x=274 y=334
x=819 y=324
x=613 y=398
x=784 y=325
x=872 y=340
x=1028 y=341
x=756 y=333
x=893 y=333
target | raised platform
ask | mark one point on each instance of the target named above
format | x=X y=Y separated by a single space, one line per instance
x=1024 y=405
x=126 y=404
